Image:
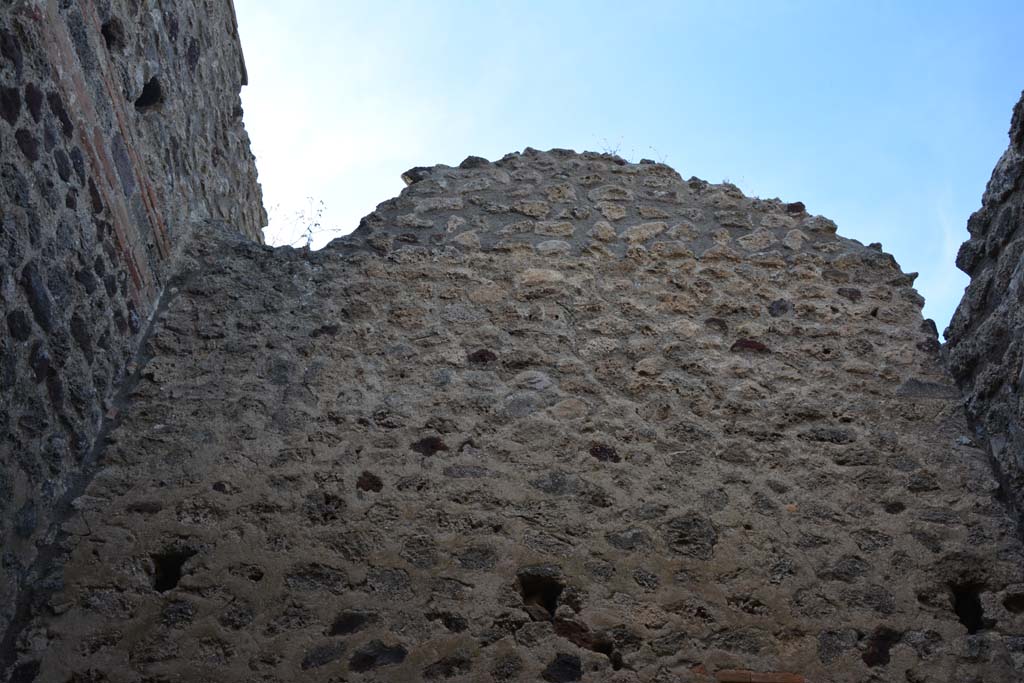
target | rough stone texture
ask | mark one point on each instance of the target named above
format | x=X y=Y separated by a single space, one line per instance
x=120 y=132
x=553 y=418
x=986 y=335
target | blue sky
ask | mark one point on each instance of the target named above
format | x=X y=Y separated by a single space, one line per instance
x=886 y=117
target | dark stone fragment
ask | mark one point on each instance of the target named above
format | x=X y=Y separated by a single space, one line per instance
x=556 y=483
x=323 y=507
x=10 y=104
x=78 y=162
x=329 y=330
x=192 y=55
x=177 y=613
x=119 y=320
x=123 y=164
x=26 y=519
x=429 y=445
x=836 y=435
x=388 y=581
x=39 y=361
x=236 y=616
x=134 y=321
x=34 y=100
x=251 y=572
x=645 y=579
x=171 y=21
x=447 y=667
x=832 y=644
x=629 y=539
x=925 y=643
x=145 y=507
x=49 y=141
x=416 y=174
x=368 y=481
x=795 y=207
x=453 y=622
x=604 y=453
x=921 y=482
x=375 y=654
x=851 y=293
x=11 y=51
x=38 y=297
x=506 y=667
x=322 y=654
x=316 y=577
x=894 y=507
x=717 y=324
x=879 y=643
x=874 y=597
x=82 y=335
x=482 y=356
x=420 y=551
x=847 y=569
x=779 y=307
x=63 y=163
x=751 y=345
x=350 y=621
x=28 y=144
x=473 y=162
x=563 y=669
x=478 y=557
x=691 y=535
x=26 y=672
x=19 y=325
x=87 y=280
x=928 y=540
x=94 y=195
x=57 y=107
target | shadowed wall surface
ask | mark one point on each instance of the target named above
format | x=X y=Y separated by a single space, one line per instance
x=120 y=132
x=986 y=336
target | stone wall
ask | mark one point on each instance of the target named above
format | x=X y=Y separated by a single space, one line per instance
x=555 y=418
x=120 y=132
x=986 y=335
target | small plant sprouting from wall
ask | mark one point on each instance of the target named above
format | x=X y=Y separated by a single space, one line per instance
x=299 y=227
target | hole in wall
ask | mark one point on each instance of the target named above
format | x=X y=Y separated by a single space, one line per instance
x=368 y=481
x=968 y=607
x=167 y=567
x=113 y=34
x=607 y=648
x=482 y=356
x=429 y=445
x=879 y=644
x=541 y=587
x=152 y=95
x=895 y=507
x=1014 y=603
